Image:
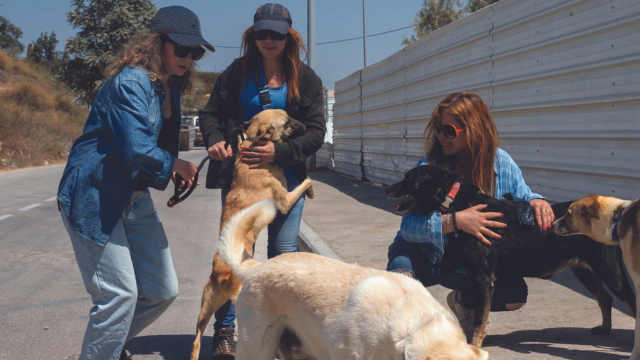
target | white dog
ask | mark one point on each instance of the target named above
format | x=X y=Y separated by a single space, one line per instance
x=333 y=310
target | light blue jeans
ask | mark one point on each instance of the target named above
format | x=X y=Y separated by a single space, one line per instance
x=131 y=279
x=282 y=238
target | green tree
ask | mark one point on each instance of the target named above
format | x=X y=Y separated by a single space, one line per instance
x=44 y=49
x=435 y=14
x=9 y=35
x=105 y=26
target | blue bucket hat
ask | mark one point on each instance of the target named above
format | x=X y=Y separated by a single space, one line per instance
x=272 y=17
x=181 y=25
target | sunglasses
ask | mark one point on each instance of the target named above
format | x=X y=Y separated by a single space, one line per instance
x=449 y=131
x=182 y=51
x=261 y=35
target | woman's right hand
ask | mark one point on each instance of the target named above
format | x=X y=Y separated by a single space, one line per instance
x=218 y=152
x=186 y=169
x=476 y=223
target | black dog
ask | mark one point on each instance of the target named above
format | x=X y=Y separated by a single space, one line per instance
x=522 y=251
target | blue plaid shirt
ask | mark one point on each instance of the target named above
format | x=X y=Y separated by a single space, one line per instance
x=427 y=230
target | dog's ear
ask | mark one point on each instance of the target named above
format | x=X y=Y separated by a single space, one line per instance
x=590 y=211
x=263 y=133
x=422 y=177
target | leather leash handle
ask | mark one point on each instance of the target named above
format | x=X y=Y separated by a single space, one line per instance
x=177 y=192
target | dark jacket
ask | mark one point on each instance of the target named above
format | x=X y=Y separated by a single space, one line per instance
x=224 y=107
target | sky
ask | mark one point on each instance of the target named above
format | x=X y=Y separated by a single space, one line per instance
x=224 y=21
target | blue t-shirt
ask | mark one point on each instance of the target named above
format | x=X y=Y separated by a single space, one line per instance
x=251 y=102
x=251 y=105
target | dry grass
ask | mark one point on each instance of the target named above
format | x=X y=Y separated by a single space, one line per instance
x=37 y=123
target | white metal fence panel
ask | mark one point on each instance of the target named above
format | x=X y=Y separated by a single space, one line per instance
x=560 y=76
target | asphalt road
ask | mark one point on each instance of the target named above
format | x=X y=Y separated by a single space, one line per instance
x=44 y=307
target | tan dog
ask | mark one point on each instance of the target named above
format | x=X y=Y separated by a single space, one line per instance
x=597 y=217
x=333 y=310
x=248 y=187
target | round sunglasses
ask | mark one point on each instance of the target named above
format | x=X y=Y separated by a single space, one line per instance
x=262 y=34
x=182 y=51
x=449 y=131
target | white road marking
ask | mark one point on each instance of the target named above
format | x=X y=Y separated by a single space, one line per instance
x=2 y=217
x=52 y=199
x=28 y=207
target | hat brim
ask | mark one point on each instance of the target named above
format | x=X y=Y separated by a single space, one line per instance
x=190 y=40
x=281 y=27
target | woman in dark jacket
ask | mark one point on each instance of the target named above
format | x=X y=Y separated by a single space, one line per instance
x=270 y=64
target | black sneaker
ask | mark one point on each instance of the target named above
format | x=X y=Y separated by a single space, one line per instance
x=224 y=346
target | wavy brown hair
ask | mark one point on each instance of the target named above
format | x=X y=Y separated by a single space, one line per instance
x=145 y=49
x=482 y=136
x=291 y=63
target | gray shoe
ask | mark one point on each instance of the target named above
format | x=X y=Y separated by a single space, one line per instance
x=124 y=355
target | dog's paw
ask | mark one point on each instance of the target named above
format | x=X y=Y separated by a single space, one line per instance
x=310 y=194
x=600 y=330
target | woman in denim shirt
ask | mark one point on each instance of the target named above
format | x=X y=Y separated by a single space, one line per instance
x=462 y=136
x=130 y=143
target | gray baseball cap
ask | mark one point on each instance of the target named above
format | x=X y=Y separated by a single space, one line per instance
x=272 y=16
x=181 y=25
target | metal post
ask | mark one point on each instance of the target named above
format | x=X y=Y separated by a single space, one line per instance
x=364 y=32
x=311 y=33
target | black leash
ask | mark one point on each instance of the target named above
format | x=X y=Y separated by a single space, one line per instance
x=176 y=198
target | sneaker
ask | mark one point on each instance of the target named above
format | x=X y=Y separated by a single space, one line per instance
x=466 y=317
x=224 y=346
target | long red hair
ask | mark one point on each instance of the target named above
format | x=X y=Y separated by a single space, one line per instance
x=291 y=62
x=482 y=136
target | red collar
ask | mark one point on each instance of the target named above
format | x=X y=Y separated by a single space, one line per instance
x=444 y=207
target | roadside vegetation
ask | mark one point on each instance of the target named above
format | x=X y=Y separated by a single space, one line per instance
x=38 y=118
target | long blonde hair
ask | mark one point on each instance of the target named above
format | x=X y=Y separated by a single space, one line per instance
x=145 y=49
x=291 y=62
x=482 y=136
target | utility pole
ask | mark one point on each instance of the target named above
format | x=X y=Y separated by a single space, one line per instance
x=364 y=32
x=311 y=33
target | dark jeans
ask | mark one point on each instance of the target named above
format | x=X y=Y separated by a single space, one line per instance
x=282 y=238
x=409 y=256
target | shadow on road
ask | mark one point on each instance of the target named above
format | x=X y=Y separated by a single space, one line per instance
x=365 y=193
x=565 y=342
x=169 y=347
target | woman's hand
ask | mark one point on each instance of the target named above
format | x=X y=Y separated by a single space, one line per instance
x=259 y=153
x=218 y=152
x=182 y=182
x=186 y=169
x=476 y=223
x=544 y=213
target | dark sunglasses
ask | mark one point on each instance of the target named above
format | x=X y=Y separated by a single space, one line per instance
x=261 y=35
x=449 y=131
x=182 y=51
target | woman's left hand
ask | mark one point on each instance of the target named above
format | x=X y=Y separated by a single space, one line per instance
x=544 y=213
x=259 y=153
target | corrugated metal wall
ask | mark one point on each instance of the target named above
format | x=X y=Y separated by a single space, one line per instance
x=562 y=79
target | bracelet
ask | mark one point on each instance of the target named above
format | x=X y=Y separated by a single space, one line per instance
x=455 y=226
x=449 y=222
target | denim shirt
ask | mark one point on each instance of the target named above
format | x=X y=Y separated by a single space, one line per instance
x=427 y=230
x=117 y=147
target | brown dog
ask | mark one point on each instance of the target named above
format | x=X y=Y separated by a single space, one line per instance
x=610 y=221
x=249 y=186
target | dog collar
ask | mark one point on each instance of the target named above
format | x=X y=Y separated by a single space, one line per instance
x=614 y=232
x=444 y=207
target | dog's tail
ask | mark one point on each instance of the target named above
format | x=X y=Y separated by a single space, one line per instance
x=231 y=245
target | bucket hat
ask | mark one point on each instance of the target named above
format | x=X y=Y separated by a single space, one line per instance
x=181 y=25
x=273 y=17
